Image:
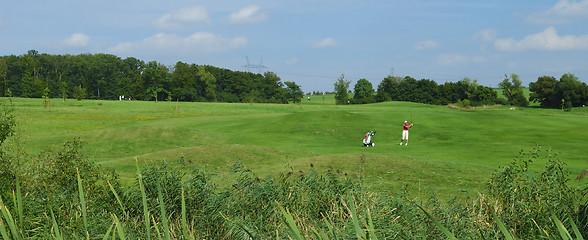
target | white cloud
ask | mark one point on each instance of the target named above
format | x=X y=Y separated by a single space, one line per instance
x=546 y=40
x=455 y=59
x=486 y=35
x=249 y=14
x=172 y=43
x=292 y=61
x=563 y=11
x=327 y=42
x=451 y=59
x=77 y=40
x=181 y=18
x=426 y=45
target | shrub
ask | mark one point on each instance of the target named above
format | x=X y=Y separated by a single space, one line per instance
x=228 y=97
x=463 y=103
x=6 y=119
x=525 y=199
x=188 y=95
x=501 y=101
x=7 y=166
x=79 y=93
x=52 y=185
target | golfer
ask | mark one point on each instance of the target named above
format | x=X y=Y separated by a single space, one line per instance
x=405 y=132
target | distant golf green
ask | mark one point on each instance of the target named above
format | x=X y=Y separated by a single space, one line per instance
x=451 y=152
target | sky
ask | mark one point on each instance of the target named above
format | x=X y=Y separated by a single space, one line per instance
x=315 y=42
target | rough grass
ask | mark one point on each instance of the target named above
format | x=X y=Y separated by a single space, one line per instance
x=451 y=152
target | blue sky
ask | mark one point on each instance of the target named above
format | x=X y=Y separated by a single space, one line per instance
x=313 y=42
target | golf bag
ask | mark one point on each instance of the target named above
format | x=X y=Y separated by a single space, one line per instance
x=367 y=141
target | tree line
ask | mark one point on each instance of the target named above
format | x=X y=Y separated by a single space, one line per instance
x=566 y=93
x=105 y=76
x=427 y=91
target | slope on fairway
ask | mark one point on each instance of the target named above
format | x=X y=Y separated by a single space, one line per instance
x=449 y=151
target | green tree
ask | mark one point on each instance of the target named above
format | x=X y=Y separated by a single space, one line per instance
x=407 y=89
x=388 y=88
x=63 y=88
x=427 y=91
x=341 y=86
x=15 y=66
x=102 y=71
x=131 y=82
x=512 y=90
x=209 y=83
x=184 y=86
x=567 y=106
x=271 y=89
x=60 y=65
x=544 y=91
x=520 y=99
x=3 y=73
x=295 y=94
x=506 y=85
x=363 y=92
x=470 y=85
x=46 y=97
x=573 y=91
x=155 y=80
x=477 y=94
x=79 y=92
x=30 y=76
x=483 y=95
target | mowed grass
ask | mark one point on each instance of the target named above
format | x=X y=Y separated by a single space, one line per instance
x=450 y=152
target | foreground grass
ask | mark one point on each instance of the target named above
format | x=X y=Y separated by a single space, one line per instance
x=163 y=204
x=451 y=152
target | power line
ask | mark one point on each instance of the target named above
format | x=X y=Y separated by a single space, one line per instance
x=258 y=68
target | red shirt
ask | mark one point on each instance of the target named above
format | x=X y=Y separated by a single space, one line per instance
x=406 y=126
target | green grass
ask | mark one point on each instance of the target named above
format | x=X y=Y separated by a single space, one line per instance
x=451 y=152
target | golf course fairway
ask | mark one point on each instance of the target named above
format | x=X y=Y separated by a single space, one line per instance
x=450 y=152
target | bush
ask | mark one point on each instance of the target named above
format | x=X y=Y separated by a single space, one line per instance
x=525 y=199
x=7 y=163
x=567 y=106
x=188 y=95
x=52 y=184
x=501 y=101
x=463 y=104
x=79 y=92
x=228 y=97
x=6 y=119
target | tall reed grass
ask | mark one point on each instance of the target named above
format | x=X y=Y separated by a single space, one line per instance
x=167 y=203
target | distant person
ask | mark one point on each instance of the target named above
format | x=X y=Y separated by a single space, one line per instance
x=405 y=133
x=308 y=98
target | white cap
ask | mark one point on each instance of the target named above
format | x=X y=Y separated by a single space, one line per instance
x=405 y=121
